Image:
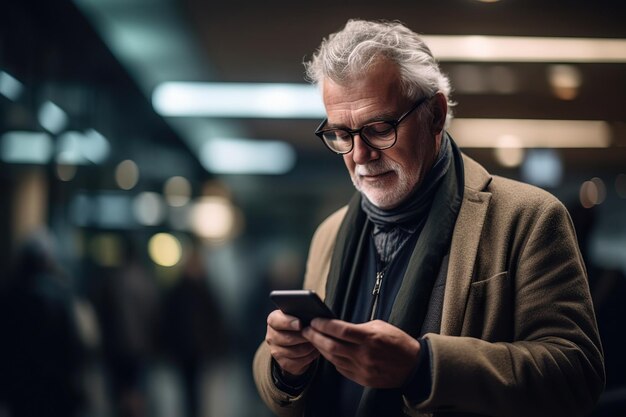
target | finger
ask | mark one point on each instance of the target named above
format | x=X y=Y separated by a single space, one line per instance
x=341 y=330
x=297 y=352
x=330 y=348
x=297 y=366
x=281 y=321
x=283 y=338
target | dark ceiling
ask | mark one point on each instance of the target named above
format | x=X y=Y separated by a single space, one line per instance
x=249 y=41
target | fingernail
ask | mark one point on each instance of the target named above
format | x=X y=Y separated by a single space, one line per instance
x=295 y=324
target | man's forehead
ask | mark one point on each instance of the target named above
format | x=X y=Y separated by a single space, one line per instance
x=370 y=99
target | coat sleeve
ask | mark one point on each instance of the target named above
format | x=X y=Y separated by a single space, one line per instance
x=318 y=264
x=553 y=366
x=281 y=403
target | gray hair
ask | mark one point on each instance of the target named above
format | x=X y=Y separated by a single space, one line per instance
x=353 y=50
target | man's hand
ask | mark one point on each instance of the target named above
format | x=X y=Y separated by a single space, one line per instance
x=373 y=354
x=292 y=352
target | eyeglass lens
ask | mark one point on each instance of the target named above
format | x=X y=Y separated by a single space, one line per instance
x=380 y=135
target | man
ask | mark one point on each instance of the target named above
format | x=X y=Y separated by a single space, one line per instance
x=456 y=291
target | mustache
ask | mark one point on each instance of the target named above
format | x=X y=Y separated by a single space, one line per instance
x=376 y=167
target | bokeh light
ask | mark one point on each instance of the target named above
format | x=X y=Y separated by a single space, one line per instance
x=149 y=208
x=509 y=151
x=601 y=190
x=66 y=172
x=165 y=249
x=177 y=191
x=565 y=81
x=127 y=174
x=592 y=193
x=215 y=218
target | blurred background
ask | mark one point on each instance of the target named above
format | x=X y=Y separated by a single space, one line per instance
x=159 y=176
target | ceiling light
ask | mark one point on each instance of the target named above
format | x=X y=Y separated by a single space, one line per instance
x=10 y=87
x=247 y=156
x=525 y=49
x=26 y=147
x=94 y=146
x=486 y=133
x=68 y=149
x=238 y=100
x=52 y=117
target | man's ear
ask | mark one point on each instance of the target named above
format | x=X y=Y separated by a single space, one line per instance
x=440 y=112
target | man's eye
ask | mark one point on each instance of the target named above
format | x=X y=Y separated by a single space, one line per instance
x=342 y=135
x=380 y=129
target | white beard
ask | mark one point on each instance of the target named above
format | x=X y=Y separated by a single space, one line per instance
x=384 y=194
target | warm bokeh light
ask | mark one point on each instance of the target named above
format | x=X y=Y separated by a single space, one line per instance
x=177 y=191
x=589 y=194
x=215 y=218
x=565 y=81
x=477 y=48
x=532 y=133
x=66 y=172
x=127 y=174
x=165 y=249
x=601 y=189
x=509 y=151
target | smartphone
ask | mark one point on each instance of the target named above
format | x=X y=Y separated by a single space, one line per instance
x=303 y=304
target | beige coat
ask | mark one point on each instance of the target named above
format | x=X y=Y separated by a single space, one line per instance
x=518 y=333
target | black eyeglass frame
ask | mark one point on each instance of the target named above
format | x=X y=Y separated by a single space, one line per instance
x=319 y=132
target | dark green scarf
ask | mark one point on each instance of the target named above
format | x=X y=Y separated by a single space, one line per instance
x=410 y=306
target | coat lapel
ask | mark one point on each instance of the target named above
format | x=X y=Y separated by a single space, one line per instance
x=464 y=246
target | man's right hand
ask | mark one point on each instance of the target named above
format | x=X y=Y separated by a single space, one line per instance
x=292 y=352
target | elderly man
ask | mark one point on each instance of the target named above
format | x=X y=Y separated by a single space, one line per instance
x=456 y=291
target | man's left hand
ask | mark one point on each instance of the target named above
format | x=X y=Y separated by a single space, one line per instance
x=373 y=354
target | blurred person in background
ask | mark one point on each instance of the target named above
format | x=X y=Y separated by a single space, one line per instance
x=41 y=352
x=192 y=329
x=127 y=304
x=458 y=292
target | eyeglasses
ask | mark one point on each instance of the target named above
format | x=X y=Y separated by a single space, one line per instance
x=378 y=135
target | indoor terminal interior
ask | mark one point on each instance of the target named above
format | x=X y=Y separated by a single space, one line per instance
x=160 y=175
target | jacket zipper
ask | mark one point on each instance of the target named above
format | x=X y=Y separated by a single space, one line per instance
x=376 y=292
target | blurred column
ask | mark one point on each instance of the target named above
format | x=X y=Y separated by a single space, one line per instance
x=24 y=207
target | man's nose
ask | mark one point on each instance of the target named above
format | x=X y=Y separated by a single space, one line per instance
x=362 y=152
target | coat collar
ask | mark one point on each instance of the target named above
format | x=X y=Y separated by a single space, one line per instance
x=464 y=246
x=476 y=177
